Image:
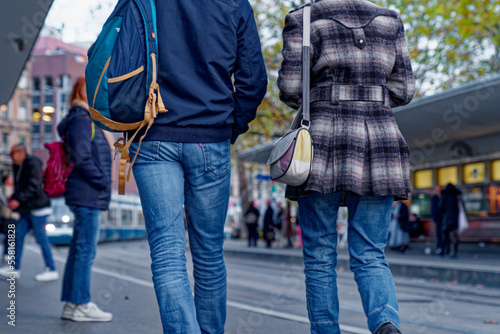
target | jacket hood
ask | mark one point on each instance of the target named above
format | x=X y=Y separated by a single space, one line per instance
x=75 y=111
x=451 y=189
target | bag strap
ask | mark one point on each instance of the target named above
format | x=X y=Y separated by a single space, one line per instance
x=303 y=117
x=154 y=106
x=306 y=64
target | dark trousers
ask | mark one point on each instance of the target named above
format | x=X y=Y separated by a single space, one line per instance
x=439 y=234
x=252 y=235
x=450 y=243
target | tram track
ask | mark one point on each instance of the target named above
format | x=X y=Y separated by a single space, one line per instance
x=253 y=285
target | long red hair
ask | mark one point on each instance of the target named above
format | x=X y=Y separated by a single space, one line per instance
x=79 y=91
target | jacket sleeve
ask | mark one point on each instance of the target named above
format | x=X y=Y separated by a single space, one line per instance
x=404 y=214
x=78 y=138
x=290 y=74
x=34 y=184
x=401 y=84
x=250 y=77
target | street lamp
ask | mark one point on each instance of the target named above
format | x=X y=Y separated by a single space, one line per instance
x=37 y=116
x=49 y=110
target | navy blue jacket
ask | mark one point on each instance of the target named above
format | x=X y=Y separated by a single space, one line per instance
x=89 y=184
x=202 y=45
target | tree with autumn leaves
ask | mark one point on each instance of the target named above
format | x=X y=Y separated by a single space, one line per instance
x=451 y=42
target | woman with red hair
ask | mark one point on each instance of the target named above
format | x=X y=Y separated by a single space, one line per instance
x=88 y=191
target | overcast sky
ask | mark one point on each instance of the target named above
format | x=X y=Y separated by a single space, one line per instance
x=77 y=18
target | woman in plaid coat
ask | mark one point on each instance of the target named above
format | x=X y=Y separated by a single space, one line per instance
x=360 y=69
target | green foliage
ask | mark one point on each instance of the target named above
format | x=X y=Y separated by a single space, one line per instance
x=451 y=42
x=273 y=116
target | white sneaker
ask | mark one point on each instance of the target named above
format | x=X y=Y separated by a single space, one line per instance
x=47 y=275
x=6 y=271
x=67 y=312
x=90 y=312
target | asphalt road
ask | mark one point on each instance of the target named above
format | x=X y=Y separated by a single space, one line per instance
x=263 y=297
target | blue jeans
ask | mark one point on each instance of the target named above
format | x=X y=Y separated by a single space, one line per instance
x=369 y=219
x=169 y=176
x=37 y=223
x=77 y=273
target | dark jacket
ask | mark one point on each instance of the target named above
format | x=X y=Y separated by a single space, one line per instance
x=268 y=220
x=89 y=184
x=404 y=218
x=28 y=185
x=202 y=45
x=436 y=214
x=252 y=217
x=449 y=207
x=360 y=69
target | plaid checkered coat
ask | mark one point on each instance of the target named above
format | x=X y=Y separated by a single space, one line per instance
x=360 y=69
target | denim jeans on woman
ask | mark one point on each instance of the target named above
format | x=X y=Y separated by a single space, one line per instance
x=77 y=273
x=173 y=177
x=368 y=219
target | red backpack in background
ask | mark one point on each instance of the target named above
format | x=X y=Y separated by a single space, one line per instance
x=57 y=171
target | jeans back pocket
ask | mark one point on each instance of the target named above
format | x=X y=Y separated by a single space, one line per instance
x=217 y=158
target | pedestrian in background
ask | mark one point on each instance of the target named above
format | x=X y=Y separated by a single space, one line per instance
x=437 y=217
x=88 y=191
x=399 y=237
x=8 y=217
x=278 y=224
x=33 y=205
x=342 y=226
x=360 y=69
x=268 y=226
x=298 y=230
x=287 y=226
x=212 y=78
x=449 y=207
x=251 y=221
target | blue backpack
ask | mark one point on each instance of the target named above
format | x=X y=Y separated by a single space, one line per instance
x=121 y=75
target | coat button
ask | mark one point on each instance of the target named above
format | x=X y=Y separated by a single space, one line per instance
x=361 y=41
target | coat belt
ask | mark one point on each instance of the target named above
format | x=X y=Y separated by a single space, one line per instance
x=337 y=93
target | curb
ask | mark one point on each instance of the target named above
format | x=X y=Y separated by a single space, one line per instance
x=470 y=274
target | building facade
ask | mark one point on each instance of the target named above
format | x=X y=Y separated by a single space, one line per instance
x=15 y=120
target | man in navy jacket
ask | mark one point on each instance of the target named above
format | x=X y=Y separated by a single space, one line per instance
x=211 y=72
x=212 y=78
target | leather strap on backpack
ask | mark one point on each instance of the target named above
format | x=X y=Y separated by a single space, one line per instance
x=153 y=107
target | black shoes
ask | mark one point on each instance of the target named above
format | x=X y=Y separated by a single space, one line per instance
x=388 y=328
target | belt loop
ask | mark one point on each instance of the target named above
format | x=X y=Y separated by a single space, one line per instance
x=386 y=97
x=335 y=99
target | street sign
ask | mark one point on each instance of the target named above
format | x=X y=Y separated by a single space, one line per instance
x=263 y=177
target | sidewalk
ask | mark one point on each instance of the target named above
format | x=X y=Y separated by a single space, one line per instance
x=477 y=264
